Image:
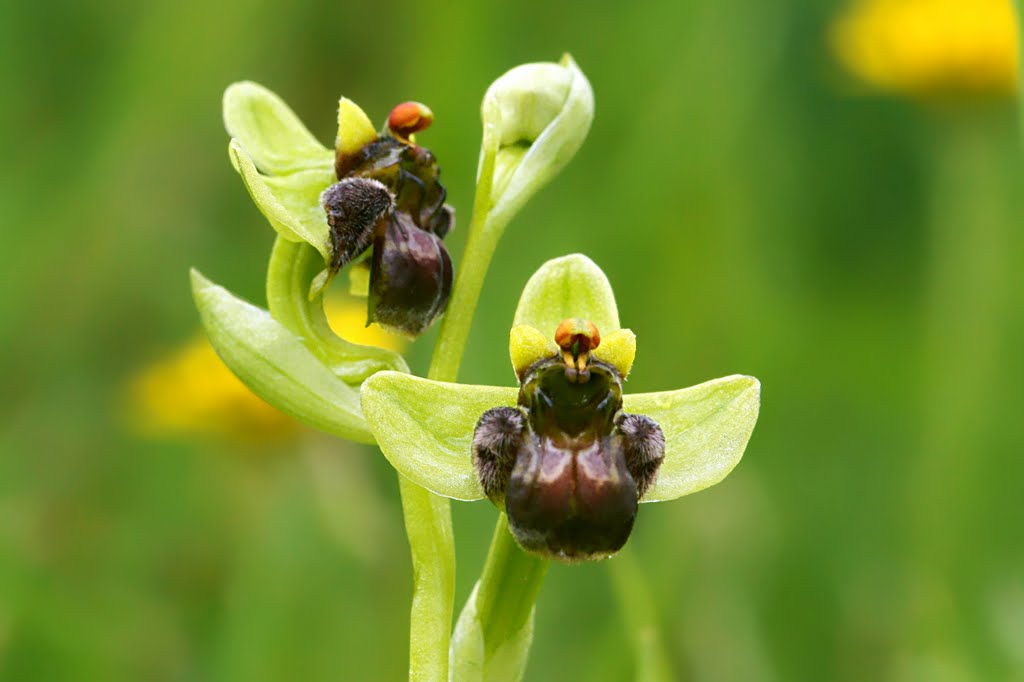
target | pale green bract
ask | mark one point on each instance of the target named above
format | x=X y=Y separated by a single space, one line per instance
x=470 y=661
x=425 y=428
x=275 y=365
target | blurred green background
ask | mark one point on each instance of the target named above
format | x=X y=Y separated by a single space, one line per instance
x=755 y=212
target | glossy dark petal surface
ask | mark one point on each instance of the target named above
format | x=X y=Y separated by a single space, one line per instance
x=571 y=504
x=411 y=278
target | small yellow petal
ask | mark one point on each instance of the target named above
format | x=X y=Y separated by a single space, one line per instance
x=526 y=345
x=355 y=130
x=618 y=349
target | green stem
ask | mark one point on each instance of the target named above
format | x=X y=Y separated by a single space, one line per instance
x=638 y=612
x=428 y=525
x=428 y=521
x=484 y=234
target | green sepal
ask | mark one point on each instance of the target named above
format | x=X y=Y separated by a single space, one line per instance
x=425 y=428
x=270 y=132
x=275 y=365
x=292 y=267
x=706 y=428
x=290 y=202
x=568 y=287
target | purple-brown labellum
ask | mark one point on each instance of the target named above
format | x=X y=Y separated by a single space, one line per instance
x=568 y=466
x=410 y=279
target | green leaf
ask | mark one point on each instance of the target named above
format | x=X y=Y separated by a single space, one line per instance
x=270 y=132
x=706 y=430
x=275 y=365
x=290 y=202
x=425 y=428
x=570 y=286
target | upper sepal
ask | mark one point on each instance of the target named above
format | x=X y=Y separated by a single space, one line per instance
x=568 y=287
x=270 y=132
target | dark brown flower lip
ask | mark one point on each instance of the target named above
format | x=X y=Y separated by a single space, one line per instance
x=567 y=464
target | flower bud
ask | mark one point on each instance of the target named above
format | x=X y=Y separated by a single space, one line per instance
x=535 y=117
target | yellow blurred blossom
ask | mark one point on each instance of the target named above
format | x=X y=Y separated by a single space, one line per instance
x=930 y=47
x=190 y=393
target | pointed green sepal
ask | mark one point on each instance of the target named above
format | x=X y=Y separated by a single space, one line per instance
x=706 y=429
x=275 y=365
x=425 y=428
x=290 y=202
x=270 y=132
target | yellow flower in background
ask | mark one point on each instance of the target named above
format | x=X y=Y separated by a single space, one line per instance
x=190 y=393
x=930 y=47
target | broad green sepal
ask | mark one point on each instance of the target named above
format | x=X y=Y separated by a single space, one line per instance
x=706 y=428
x=275 y=365
x=425 y=428
x=568 y=287
x=536 y=117
x=290 y=202
x=270 y=132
